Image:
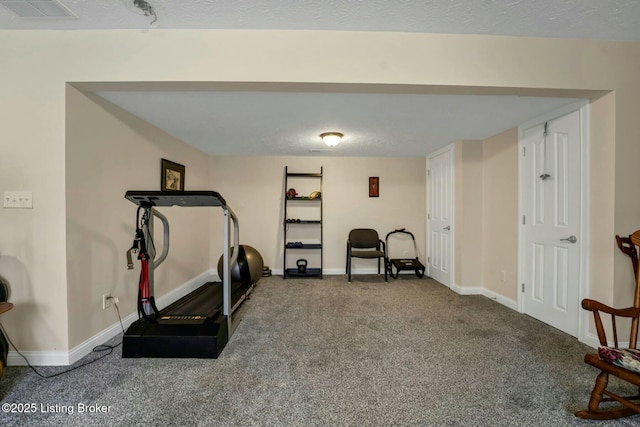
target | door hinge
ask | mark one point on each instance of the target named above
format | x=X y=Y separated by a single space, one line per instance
x=524 y=151
x=523 y=287
x=524 y=220
x=428 y=216
x=428 y=260
x=428 y=172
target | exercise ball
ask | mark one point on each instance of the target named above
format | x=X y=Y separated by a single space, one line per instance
x=247 y=268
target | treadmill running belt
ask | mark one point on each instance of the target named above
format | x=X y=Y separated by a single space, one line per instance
x=206 y=302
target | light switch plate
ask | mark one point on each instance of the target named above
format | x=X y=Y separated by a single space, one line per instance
x=18 y=199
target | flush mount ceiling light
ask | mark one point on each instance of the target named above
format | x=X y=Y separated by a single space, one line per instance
x=331 y=138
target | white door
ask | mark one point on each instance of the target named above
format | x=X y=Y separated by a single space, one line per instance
x=439 y=209
x=551 y=222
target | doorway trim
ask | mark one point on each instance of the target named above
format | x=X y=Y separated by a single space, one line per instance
x=583 y=290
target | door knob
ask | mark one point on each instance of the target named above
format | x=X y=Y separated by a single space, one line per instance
x=447 y=228
x=570 y=239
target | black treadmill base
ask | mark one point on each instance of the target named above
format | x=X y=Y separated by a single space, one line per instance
x=150 y=339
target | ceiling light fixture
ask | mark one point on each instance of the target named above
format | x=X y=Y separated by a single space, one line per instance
x=331 y=138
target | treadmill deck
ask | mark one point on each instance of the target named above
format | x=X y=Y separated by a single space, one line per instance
x=192 y=327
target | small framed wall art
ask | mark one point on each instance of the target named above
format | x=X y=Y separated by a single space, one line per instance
x=171 y=176
x=374 y=186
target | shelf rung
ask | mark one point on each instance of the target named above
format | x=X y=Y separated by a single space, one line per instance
x=305 y=246
x=310 y=272
x=304 y=175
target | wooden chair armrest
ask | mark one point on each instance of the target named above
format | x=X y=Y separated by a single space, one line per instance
x=593 y=305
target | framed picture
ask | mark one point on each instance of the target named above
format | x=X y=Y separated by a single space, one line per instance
x=171 y=176
x=374 y=186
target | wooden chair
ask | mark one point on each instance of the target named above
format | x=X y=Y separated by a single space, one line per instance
x=619 y=362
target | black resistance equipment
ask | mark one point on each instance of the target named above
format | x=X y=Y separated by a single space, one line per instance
x=4 y=290
x=198 y=325
x=4 y=344
x=401 y=264
x=146 y=301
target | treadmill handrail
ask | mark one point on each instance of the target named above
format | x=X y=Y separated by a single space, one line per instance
x=229 y=259
x=236 y=237
x=165 y=238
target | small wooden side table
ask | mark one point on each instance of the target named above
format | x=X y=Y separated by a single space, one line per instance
x=5 y=306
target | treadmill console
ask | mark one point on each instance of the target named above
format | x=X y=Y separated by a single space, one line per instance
x=176 y=198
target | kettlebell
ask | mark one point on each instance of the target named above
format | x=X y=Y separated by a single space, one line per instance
x=302 y=265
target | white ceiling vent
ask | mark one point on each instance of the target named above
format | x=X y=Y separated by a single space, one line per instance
x=37 y=9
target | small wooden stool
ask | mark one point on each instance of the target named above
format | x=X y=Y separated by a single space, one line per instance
x=4 y=307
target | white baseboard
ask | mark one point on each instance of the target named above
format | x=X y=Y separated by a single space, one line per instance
x=39 y=358
x=63 y=358
x=478 y=290
x=467 y=290
x=592 y=340
x=512 y=304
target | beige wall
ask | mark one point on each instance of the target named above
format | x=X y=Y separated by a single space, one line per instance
x=254 y=189
x=602 y=246
x=109 y=151
x=486 y=195
x=468 y=165
x=500 y=213
x=33 y=255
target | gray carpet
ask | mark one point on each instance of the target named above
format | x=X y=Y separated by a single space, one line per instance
x=325 y=353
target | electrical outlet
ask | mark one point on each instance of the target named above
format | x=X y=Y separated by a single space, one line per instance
x=106 y=301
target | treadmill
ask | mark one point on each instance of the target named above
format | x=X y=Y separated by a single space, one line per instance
x=197 y=325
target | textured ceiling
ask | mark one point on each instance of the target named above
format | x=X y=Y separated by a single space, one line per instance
x=590 y=19
x=375 y=124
